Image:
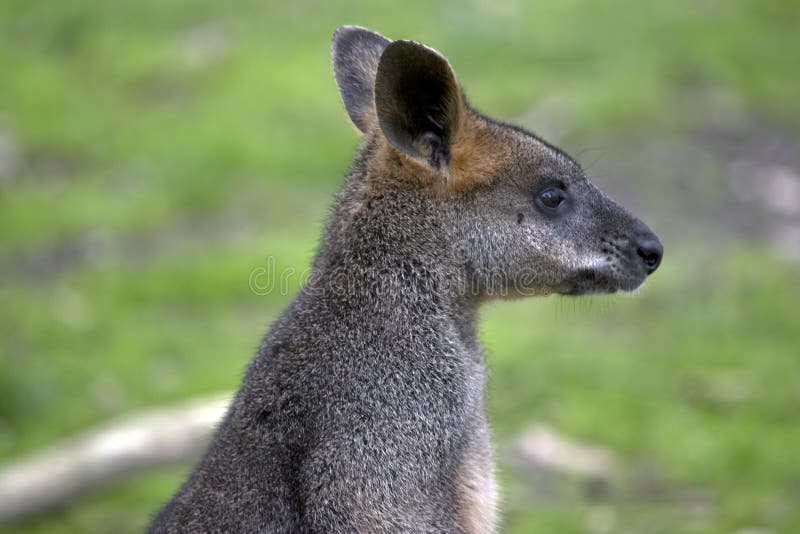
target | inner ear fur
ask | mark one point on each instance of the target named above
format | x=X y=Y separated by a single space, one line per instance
x=419 y=103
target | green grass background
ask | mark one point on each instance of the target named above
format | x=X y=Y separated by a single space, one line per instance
x=154 y=153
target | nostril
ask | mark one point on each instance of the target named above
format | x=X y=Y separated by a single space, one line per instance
x=651 y=251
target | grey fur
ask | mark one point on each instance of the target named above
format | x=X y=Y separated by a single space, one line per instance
x=356 y=52
x=363 y=409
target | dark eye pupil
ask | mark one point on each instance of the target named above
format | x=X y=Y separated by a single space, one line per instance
x=551 y=198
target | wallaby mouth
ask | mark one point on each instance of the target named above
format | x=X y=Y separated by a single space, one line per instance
x=620 y=269
x=597 y=281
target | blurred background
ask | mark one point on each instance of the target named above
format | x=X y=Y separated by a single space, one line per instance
x=154 y=154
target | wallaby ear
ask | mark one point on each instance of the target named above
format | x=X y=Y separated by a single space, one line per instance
x=419 y=103
x=356 y=52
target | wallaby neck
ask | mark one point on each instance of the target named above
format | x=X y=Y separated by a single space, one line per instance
x=385 y=254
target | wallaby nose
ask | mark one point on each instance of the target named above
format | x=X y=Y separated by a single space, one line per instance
x=651 y=251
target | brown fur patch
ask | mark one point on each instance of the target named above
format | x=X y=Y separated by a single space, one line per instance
x=478 y=153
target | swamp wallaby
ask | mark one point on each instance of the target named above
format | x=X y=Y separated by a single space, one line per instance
x=363 y=410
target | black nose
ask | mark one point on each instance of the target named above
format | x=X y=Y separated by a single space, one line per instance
x=651 y=251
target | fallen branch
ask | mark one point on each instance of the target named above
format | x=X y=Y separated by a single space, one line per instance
x=543 y=447
x=57 y=475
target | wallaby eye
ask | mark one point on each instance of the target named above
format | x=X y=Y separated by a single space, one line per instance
x=551 y=198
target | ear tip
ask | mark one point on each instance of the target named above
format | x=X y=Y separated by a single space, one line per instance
x=343 y=31
x=404 y=44
x=347 y=28
x=345 y=36
x=398 y=55
x=403 y=47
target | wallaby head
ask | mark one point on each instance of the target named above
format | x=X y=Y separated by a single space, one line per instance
x=515 y=214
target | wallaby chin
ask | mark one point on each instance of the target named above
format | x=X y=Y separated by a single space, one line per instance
x=363 y=409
